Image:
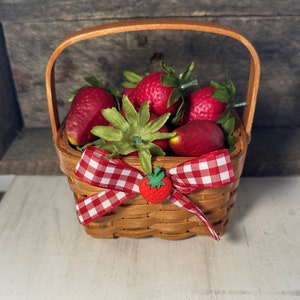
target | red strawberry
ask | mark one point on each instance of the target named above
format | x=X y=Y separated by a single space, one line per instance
x=210 y=102
x=164 y=90
x=85 y=113
x=155 y=187
x=196 y=138
x=201 y=105
x=153 y=90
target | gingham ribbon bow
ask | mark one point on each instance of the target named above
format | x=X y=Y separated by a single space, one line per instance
x=121 y=182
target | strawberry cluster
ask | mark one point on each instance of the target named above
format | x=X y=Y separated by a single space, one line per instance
x=157 y=113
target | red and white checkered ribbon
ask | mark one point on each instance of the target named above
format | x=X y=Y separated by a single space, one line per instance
x=121 y=182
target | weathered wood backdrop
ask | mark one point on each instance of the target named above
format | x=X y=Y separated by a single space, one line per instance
x=34 y=28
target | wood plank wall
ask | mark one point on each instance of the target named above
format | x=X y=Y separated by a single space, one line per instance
x=33 y=29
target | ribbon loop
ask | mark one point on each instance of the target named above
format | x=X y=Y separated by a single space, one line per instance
x=207 y=171
x=113 y=173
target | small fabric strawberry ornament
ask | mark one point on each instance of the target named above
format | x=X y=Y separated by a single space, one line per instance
x=156 y=187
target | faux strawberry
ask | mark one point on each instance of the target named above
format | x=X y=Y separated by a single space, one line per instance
x=85 y=113
x=164 y=90
x=133 y=132
x=201 y=105
x=155 y=187
x=214 y=103
x=196 y=138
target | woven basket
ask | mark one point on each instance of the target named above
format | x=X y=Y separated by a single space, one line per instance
x=136 y=218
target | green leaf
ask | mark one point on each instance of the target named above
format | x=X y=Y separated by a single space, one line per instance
x=229 y=125
x=97 y=143
x=156 y=124
x=166 y=68
x=128 y=85
x=156 y=150
x=230 y=143
x=179 y=114
x=231 y=87
x=94 y=81
x=174 y=97
x=111 y=148
x=221 y=95
x=145 y=160
x=129 y=111
x=169 y=81
x=224 y=116
x=114 y=117
x=107 y=133
x=161 y=136
x=143 y=114
x=187 y=73
x=132 y=77
x=125 y=148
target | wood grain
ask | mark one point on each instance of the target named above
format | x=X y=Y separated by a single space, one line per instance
x=274 y=31
x=45 y=254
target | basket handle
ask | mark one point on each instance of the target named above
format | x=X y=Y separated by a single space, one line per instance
x=153 y=24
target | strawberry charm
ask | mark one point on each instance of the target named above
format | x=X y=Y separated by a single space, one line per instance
x=156 y=187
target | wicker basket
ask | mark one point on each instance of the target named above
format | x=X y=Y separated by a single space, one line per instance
x=136 y=218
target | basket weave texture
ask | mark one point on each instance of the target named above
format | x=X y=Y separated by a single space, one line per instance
x=137 y=218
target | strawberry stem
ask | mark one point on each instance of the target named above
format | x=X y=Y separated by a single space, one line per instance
x=186 y=85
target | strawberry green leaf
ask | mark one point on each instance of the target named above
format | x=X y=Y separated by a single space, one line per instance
x=229 y=125
x=230 y=143
x=132 y=77
x=94 y=81
x=161 y=136
x=224 y=116
x=73 y=94
x=183 y=77
x=124 y=148
x=107 y=133
x=129 y=111
x=166 y=68
x=114 y=117
x=156 y=150
x=145 y=160
x=97 y=143
x=143 y=114
x=156 y=124
x=156 y=178
x=179 y=114
x=169 y=81
x=174 y=97
x=112 y=149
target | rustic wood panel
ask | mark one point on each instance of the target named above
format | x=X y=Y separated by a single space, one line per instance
x=10 y=115
x=47 y=11
x=276 y=39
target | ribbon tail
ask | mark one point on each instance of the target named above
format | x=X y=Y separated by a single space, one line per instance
x=93 y=207
x=183 y=202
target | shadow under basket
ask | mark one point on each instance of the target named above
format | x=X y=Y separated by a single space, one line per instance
x=137 y=218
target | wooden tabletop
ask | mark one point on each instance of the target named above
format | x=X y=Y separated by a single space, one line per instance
x=45 y=253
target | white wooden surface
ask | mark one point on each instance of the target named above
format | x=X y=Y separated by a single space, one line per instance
x=45 y=254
